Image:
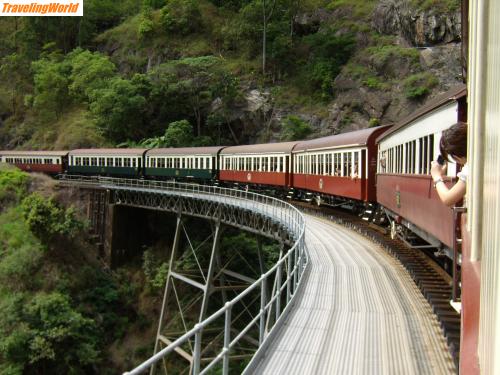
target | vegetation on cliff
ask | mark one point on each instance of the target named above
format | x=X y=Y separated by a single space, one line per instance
x=125 y=71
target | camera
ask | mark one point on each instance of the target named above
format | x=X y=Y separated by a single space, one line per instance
x=440 y=160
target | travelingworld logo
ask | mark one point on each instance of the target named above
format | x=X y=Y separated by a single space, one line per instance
x=41 y=8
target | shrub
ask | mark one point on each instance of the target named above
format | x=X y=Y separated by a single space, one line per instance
x=419 y=85
x=13 y=183
x=179 y=134
x=181 y=16
x=145 y=27
x=294 y=128
x=47 y=335
x=379 y=56
x=46 y=219
x=374 y=122
x=328 y=53
x=156 y=272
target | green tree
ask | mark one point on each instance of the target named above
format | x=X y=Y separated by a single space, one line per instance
x=329 y=52
x=90 y=71
x=118 y=109
x=46 y=219
x=294 y=129
x=181 y=16
x=51 y=78
x=47 y=334
x=189 y=86
x=15 y=75
x=179 y=134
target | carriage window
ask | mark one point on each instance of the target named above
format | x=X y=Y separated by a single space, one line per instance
x=78 y=161
x=281 y=166
x=118 y=162
x=126 y=162
x=264 y=163
x=134 y=162
x=101 y=162
x=356 y=169
x=431 y=150
x=93 y=162
x=413 y=164
x=161 y=163
x=109 y=162
x=426 y=145
x=348 y=164
x=391 y=160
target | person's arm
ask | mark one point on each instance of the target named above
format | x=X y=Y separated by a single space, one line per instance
x=448 y=196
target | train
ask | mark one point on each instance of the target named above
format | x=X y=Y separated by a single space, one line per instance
x=382 y=172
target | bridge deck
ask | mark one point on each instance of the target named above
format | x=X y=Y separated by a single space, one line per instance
x=360 y=313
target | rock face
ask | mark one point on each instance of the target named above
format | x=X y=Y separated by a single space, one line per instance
x=433 y=33
x=418 y=27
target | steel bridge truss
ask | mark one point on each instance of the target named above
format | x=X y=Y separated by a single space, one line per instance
x=244 y=325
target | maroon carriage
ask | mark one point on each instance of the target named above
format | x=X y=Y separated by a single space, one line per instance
x=262 y=164
x=50 y=162
x=404 y=184
x=342 y=165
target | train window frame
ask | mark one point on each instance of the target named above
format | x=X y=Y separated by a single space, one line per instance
x=355 y=164
x=265 y=161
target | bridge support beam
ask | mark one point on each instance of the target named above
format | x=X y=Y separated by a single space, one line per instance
x=208 y=279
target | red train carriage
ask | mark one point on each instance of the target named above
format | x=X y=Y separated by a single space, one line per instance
x=263 y=164
x=341 y=165
x=50 y=162
x=404 y=184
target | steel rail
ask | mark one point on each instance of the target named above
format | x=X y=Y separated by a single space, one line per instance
x=283 y=212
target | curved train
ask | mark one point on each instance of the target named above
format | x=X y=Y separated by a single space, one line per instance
x=383 y=172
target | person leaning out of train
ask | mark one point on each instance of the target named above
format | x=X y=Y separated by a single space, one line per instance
x=453 y=145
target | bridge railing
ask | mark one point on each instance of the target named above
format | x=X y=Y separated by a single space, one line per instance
x=291 y=265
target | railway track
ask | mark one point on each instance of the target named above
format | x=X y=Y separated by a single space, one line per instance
x=434 y=283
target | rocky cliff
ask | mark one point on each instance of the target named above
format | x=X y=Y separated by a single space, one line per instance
x=409 y=53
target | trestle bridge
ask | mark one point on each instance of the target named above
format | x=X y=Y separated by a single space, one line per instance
x=334 y=303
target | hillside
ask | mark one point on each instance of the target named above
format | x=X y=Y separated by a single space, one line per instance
x=123 y=73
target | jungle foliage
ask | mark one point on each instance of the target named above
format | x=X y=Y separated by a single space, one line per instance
x=57 y=312
x=52 y=70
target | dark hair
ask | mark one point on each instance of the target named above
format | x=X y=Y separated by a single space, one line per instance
x=454 y=141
